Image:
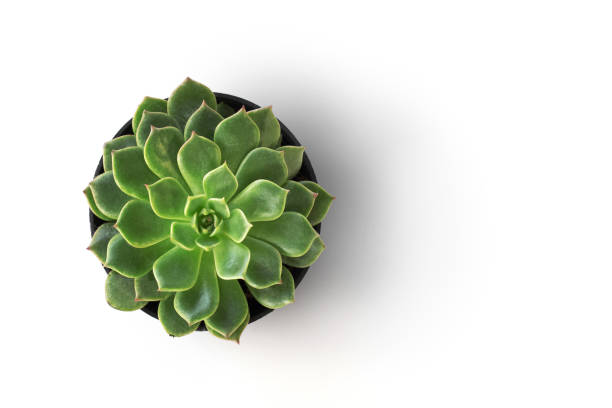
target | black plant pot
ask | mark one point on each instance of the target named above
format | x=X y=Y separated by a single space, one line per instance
x=306 y=172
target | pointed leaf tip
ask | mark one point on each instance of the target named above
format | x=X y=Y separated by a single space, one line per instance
x=261 y=200
x=187 y=98
x=262 y=163
x=322 y=203
x=269 y=127
x=276 y=296
x=291 y=233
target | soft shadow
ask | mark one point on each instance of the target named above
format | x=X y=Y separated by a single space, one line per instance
x=353 y=149
x=318 y=114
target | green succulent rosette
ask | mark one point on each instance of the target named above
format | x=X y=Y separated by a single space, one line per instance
x=197 y=199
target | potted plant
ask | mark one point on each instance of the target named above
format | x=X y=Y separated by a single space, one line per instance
x=204 y=214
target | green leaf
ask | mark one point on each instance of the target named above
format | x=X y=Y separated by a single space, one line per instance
x=262 y=164
x=117 y=143
x=108 y=197
x=201 y=301
x=232 y=309
x=268 y=126
x=147 y=289
x=220 y=183
x=150 y=105
x=99 y=241
x=140 y=226
x=161 y=150
x=203 y=122
x=309 y=257
x=177 y=269
x=265 y=265
x=219 y=206
x=197 y=157
x=184 y=235
x=133 y=262
x=300 y=199
x=131 y=172
x=92 y=205
x=236 y=226
x=150 y=120
x=194 y=204
x=322 y=202
x=168 y=199
x=262 y=200
x=291 y=233
x=120 y=293
x=293 y=156
x=225 y=110
x=236 y=136
x=277 y=296
x=206 y=242
x=231 y=259
x=235 y=336
x=187 y=98
x=172 y=322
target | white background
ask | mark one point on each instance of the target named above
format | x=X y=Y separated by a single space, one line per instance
x=468 y=253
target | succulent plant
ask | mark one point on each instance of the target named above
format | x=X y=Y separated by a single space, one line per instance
x=199 y=198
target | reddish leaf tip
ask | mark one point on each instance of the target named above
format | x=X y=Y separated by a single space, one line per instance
x=243 y=109
x=315 y=195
